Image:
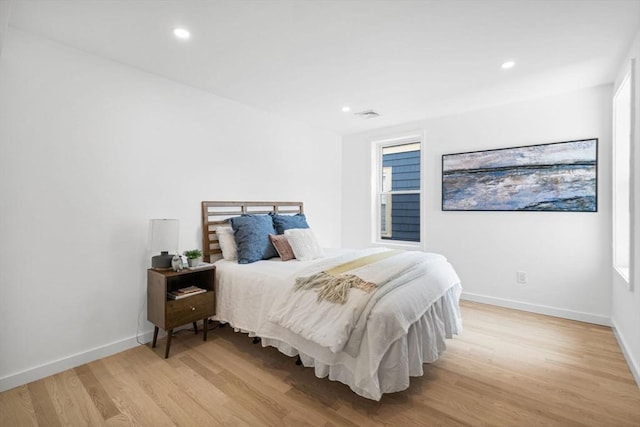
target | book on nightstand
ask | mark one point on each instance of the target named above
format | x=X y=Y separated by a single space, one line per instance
x=185 y=292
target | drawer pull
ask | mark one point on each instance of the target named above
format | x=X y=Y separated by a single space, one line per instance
x=193 y=309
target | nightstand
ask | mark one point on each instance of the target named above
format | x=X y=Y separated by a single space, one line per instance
x=167 y=313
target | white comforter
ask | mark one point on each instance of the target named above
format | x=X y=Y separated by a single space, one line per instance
x=341 y=327
x=402 y=331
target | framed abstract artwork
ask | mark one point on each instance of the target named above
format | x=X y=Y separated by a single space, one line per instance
x=561 y=177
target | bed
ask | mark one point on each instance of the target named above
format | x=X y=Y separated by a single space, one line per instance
x=386 y=343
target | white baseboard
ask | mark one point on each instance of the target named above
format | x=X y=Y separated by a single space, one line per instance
x=540 y=309
x=51 y=368
x=633 y=364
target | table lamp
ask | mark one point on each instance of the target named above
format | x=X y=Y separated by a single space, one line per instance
x=164 y=234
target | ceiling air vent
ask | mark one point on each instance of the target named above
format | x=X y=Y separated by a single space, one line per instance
x=368 y=114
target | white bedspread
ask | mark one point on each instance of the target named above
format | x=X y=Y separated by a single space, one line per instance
x=402 y=332
x=340 y=327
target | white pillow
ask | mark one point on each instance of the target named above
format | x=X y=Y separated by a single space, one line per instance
x=304 y=244
x=227 y=243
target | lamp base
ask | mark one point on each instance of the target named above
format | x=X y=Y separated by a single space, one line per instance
x=162 y=261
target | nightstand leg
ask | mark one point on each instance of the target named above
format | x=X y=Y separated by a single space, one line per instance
x=195 y=327
x=205 y=327
x=169 y=335
x=155 y=337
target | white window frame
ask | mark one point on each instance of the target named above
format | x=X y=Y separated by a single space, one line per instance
x=376 y=186
x=622 y=134
x=387 y=173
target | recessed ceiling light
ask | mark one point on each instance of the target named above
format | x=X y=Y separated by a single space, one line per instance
x=507 y=65
x=181 y=33
x=346 y=109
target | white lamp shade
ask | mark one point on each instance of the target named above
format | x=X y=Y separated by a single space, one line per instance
x=164 y=235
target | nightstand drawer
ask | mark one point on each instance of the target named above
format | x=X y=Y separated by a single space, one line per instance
x=190 y=309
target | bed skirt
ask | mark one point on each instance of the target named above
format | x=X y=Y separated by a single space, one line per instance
x=373 y=373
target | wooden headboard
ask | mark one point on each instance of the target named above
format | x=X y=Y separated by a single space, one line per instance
x=215 y=214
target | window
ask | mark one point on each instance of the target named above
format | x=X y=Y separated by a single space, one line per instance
x=398 y=190
x=621 y=177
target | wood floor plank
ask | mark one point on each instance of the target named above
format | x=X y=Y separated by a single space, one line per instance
x=260 y=404
x=248 y=367
x=158 y=381
x=73 y=404
x=96 y=392
x=16 y=408
x=207 y=394
x=518 y=400
x=42 y=404
x=508 y=368
x=275 y=389
x=128 y=397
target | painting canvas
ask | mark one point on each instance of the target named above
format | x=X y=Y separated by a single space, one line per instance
x=560 y=176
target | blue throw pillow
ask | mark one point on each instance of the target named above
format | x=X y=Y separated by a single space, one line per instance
x=286 y=222
x=252 y=237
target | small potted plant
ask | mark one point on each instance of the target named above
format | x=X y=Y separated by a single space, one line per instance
x=194 y=257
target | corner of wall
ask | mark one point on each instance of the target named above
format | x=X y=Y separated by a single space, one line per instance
x=634 y=365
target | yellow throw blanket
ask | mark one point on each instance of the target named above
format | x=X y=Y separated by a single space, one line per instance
x=333 y=285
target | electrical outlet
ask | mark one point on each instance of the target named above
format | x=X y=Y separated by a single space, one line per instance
x=521 y=277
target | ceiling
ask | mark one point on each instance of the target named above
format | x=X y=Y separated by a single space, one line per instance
x=303 y=59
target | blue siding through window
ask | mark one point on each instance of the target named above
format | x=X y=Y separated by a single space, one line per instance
x=405 y=208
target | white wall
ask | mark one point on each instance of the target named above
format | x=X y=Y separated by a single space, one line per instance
x=90 y=150
x=567 y=256
x=5 y=10
x=625 y=309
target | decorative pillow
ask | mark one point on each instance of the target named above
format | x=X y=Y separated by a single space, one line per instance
x=304 y=244
x=227 y=243
x=282 y=246
x=252 y=237
x=286 y=222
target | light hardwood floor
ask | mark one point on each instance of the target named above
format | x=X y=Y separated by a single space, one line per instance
x=508 y=368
